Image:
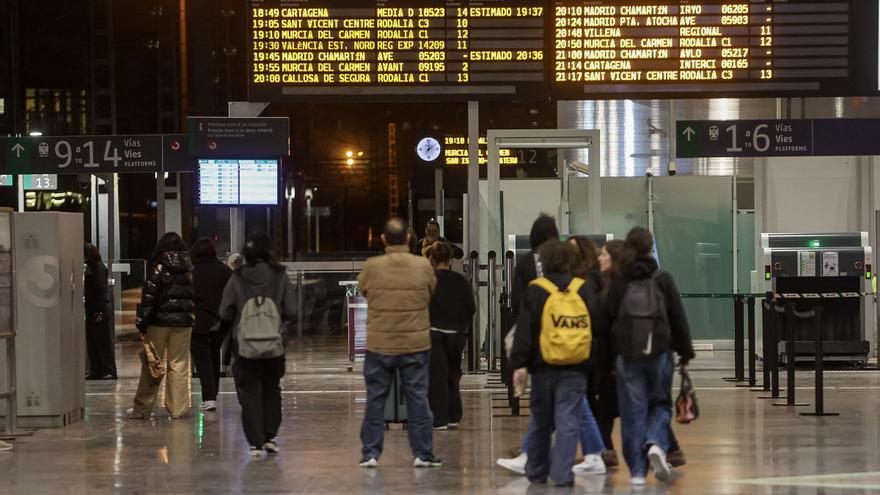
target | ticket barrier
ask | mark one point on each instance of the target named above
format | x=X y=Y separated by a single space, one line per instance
x=828 y=271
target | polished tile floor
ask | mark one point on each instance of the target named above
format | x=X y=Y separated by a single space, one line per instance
x=741 y=444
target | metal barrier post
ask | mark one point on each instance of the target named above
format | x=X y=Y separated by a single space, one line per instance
x=492 y=308
x=738 y=341
x=767 y=322
x=300 y=291
x=771 y=349
x=790 y=361
x=506 y=372
x=819 y=338
x=750 y=305
x=473 y=344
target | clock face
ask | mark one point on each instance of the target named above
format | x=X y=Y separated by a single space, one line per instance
x=428 y=149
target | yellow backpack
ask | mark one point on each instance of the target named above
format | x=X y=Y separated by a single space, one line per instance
x=566 y=328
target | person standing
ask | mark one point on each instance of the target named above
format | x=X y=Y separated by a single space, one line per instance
x=432 y=235
x=210 y=276
x=99 y=342
x=553 y=341
x=245 y=307
x=165 y=320
x=398 y=287
x=452 y=308
x=649 y=323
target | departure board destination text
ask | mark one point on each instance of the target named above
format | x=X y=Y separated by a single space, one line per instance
x=610 y=46
x=560 y=49
x=311 y=50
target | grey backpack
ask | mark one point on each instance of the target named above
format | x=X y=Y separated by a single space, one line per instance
x=260 y=329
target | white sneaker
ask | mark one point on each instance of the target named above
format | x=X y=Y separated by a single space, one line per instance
x=444 y=427
x=5 y=446
x=593 y=464
x=257 y=453
x=369 y=463
x=517 y=464
x=271 y=447
x=638 y=481
x=208 y=405
x=661 y=468
x=453 y=426
x=130 y=414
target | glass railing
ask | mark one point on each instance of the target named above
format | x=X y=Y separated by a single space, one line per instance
x=321 y=302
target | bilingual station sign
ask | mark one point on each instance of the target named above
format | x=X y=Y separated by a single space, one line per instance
x=759 y=138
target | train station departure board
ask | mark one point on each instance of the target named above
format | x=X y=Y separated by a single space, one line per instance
x=560 y=49
x=363 y=48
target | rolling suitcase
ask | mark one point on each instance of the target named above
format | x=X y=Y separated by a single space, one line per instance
x=395 y=405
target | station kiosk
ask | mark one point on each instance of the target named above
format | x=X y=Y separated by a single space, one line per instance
x=831 y=271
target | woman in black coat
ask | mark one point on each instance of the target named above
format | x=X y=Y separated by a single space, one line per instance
x=99 y=342
x=210 y=276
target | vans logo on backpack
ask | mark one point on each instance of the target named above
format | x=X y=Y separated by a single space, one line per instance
x=566 y=329
x=563 y=321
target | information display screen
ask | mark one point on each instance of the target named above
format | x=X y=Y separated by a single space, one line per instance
x=238 y=182
x=561 y=49
x=359 y=48
x=760 y=47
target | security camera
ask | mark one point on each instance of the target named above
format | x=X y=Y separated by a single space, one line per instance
x=649 y=172
x=672 y=171
x=84 y=181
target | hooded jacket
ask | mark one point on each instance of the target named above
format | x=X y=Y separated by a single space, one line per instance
x=262 y=279
x=210 y=276
x=167 y=298
x=526 y=352
x=398 y=287
x=644 y=267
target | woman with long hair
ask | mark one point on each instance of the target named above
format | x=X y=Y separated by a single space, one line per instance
x=258 y=380
x=165 y=320
x=647 y=327
x=452 y=308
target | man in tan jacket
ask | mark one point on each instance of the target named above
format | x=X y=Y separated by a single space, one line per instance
x=398 y=287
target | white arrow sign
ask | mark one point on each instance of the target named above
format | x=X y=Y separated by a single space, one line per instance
x=18 y=148
x=689 y=133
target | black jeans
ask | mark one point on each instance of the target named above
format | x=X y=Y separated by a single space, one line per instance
x=205 y=349
x=99 y=345
x=258 y=382
x=444 y=394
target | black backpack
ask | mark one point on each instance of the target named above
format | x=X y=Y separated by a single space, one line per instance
x=642 y=327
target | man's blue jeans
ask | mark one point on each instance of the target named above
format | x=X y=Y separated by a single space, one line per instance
x=644 y=393
x=378 y=374
x=557 y=401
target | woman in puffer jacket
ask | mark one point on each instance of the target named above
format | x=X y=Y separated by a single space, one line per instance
x=166 y=319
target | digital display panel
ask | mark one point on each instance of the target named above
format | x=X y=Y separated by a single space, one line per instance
x=359 y=48
x=560 y=49
x=688 y=46
x=238 y=182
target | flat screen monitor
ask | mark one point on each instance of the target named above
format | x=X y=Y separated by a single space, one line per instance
x=238 y=182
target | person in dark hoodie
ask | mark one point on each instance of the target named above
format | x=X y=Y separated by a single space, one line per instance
x=166 y=320
x=99 y=341
x=645 y=346
x=452 y=308
x=210 y=276
x=528 y=266
x=558 y=391
x=258 y=381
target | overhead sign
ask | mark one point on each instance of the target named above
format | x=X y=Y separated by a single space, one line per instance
x=41 y=182
x=236 y=137
x=564 y=49
x=82 y=154
x=756 y=138
x=6 y=180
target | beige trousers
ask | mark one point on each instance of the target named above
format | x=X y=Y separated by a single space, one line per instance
x=173 y=342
